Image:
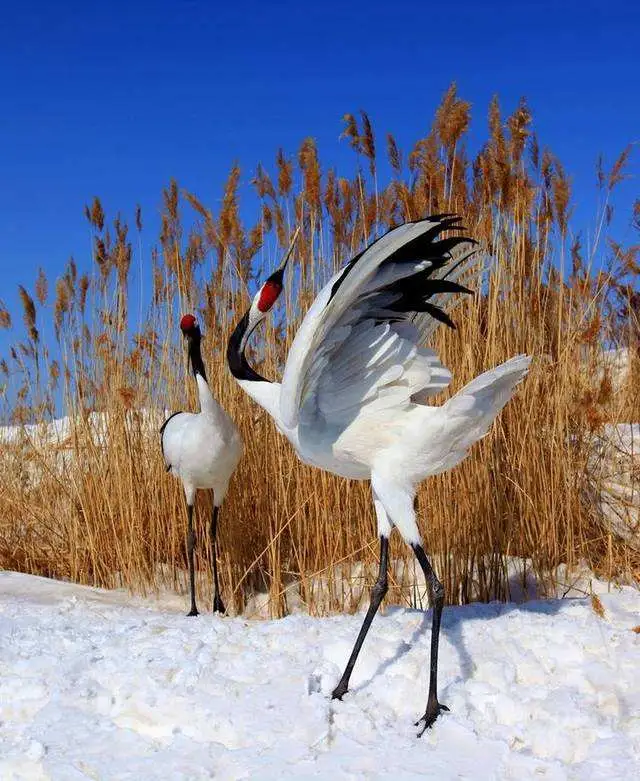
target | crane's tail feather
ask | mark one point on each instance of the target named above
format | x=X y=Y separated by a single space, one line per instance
x=473 y=409
x=492 y=388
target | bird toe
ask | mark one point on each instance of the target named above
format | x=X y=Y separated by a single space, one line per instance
x=430 y=716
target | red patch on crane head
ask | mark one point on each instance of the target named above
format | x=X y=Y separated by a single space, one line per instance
x=188 y=323
x=269 y=295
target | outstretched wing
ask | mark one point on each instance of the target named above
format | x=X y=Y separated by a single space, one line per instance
x=360 y=343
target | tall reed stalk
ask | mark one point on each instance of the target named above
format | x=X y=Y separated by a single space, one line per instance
x=94 y=505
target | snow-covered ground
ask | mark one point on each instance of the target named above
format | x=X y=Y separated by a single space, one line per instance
x=58 y=432
x=616 y=467
x=96 y=685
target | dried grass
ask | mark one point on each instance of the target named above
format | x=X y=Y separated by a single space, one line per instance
x=100 y=509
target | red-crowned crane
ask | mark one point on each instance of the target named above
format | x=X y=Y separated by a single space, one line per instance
x=356 y=381
x=201 y=449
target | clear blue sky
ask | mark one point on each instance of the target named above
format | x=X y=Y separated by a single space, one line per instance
x=115 y=98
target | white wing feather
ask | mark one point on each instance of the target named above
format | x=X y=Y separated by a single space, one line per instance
x=352 y=355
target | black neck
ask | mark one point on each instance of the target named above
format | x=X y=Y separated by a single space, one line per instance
x=195 y=356
x=236 y=358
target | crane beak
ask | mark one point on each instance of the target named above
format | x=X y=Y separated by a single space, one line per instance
x=254 y=315
x=285 y=260
x=187 y=341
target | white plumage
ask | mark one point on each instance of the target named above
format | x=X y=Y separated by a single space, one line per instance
x=357 y=376
x=202 y=450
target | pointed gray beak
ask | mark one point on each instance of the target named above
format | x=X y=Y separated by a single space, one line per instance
x=285 y=260
x=254 y=317
x=278 y=274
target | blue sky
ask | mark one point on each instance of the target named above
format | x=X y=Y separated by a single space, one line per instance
x=115 y=98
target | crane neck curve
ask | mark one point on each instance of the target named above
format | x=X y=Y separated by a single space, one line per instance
x=236 y=359
x=259 y=388
x=195 y=356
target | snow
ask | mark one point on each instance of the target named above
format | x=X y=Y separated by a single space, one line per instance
x=56 y=442
x=615 y=464
x=348 y=583
x=617 y=363
x=99 y=685
x=58 y=432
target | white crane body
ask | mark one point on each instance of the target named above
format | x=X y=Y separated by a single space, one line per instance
x=357 y=378
x=202 y=449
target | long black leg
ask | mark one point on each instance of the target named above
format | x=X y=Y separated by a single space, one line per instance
x=191 y=544
x=218 y=605
x=377 y=595
x=436 y=597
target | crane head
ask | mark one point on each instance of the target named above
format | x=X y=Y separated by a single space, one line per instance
x=269 y=292
x=267 y=296
x=188 y=325
x=261 y=305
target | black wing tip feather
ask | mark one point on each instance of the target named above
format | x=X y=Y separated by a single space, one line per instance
x=414 y=291
x=439 y=314
x=437 y=218
x=443 y=221
x=417 y=247
x=427 y=247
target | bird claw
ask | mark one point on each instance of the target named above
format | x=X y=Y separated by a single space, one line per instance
x=339 y=692
x=218 y=605
x=193 y=612
x=430 y=715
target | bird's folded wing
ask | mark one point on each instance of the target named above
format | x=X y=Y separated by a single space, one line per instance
x=359 y=348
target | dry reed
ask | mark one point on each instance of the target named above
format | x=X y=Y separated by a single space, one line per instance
x=95 y=505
